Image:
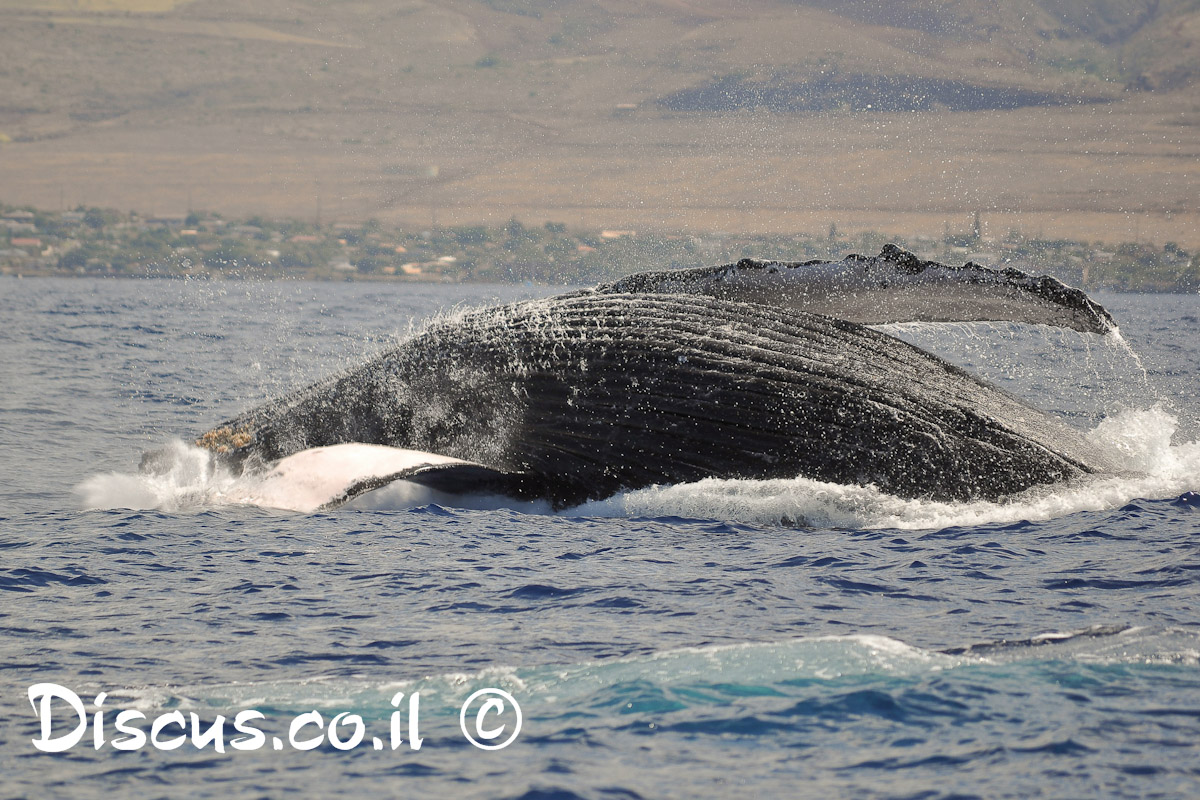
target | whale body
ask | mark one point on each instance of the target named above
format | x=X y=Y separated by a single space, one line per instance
x=671 y=377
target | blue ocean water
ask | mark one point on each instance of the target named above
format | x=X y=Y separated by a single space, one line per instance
x=782 y=638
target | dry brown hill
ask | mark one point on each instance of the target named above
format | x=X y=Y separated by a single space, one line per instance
x=1055 y=116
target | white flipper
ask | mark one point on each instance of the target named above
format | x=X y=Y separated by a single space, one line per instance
x=326 y=477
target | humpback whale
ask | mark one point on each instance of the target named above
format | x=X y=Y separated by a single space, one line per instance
x=759 y=369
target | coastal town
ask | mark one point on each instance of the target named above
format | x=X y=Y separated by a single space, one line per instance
x=103 y=242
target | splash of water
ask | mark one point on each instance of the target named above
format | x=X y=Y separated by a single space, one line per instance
x=186 y=478
x=1116 y=341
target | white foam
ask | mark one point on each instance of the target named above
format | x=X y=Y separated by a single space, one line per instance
x=1139 y=440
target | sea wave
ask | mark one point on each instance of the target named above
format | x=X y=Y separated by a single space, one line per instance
x=692 y=677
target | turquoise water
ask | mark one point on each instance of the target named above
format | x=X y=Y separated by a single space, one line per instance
x=781 y=638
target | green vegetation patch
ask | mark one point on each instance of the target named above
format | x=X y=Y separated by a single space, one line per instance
x=96 y=241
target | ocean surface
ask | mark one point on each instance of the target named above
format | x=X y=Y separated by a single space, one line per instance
x=719 y=639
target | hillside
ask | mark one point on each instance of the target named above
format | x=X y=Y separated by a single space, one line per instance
x=1054 y=116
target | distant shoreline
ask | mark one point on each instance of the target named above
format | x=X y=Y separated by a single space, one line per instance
x=97 y=242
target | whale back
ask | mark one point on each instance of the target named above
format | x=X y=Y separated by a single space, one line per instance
x=578 y=397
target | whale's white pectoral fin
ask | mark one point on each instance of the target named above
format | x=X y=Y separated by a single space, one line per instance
x=326 y=477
